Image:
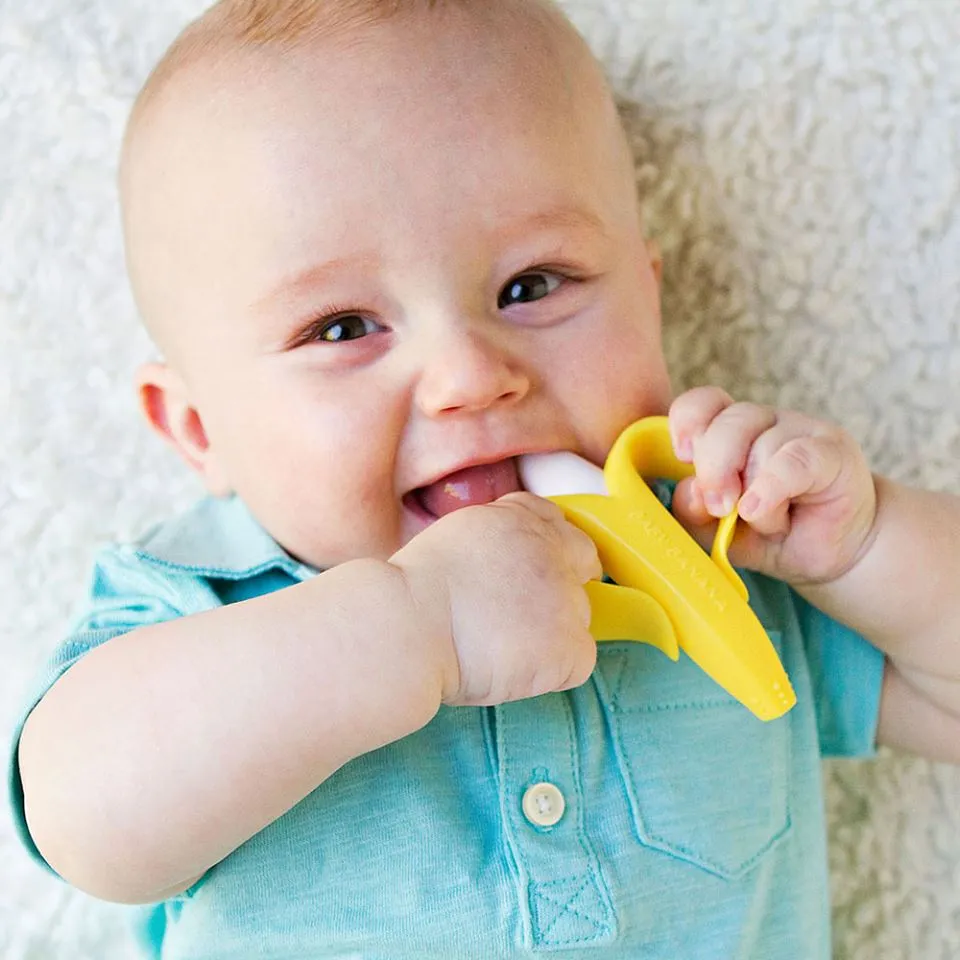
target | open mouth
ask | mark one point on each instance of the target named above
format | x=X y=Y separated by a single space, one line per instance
x=468 y=487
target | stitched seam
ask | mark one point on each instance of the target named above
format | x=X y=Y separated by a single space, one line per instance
x=621 y=672
x=680 y=705
x=659 y=842
x=568 y=908
x=511 y=846
x=587 y=852
x=692 y=856
x=671 y=847
x=628 y=775
x=219 y=572
x=577 y=789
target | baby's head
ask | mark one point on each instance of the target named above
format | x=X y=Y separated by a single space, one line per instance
x=378 y=242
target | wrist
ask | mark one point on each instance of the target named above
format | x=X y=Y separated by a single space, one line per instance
x=431 y=621
x=865 y=531
x=850 y=587
x=398 y=688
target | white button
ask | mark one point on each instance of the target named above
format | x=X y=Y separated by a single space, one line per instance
x=543 y=804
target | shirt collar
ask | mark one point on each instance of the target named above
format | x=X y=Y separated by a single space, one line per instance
x=218 y=537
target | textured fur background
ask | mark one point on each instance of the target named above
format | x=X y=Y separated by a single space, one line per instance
x=799 y=160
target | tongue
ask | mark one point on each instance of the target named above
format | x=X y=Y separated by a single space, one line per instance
x=471 y=486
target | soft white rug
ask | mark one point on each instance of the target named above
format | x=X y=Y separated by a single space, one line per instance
x=800 y=159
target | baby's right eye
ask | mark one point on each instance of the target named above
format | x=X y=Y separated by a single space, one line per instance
x=350 y=326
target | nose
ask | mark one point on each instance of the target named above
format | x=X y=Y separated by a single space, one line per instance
x=466 y=370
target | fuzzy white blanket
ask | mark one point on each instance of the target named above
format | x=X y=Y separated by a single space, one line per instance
x=800 y=162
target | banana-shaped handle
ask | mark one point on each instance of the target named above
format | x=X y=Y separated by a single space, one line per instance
x=668 y=592
x=618 y=613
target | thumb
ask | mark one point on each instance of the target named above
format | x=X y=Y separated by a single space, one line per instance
x=581 y=554
x=689 y=509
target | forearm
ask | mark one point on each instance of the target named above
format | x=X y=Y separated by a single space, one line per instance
x=903 y=594
x=163 y=750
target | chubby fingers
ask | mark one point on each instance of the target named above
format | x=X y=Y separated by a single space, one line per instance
x=717 y=435
x=578 y=549
x=763 y=457
x=801 y=464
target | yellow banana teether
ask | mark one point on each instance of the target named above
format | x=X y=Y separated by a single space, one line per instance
x=668 y=592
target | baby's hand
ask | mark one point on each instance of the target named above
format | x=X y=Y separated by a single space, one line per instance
x=500 y=588
x=804 y=487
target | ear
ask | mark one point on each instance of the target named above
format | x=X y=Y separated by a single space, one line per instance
x=165 y=402
x=656 y=262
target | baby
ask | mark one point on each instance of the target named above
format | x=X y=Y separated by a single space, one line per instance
x=348 y=705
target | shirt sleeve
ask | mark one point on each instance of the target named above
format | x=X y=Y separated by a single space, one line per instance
x=846 y=675
x=124 y=594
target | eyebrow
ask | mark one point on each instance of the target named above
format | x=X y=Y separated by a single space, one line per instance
x=576 y=218
x=313 y=276
x=558 y=218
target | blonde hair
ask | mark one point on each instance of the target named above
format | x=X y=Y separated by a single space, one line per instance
x=233 y=26
x=290 y=22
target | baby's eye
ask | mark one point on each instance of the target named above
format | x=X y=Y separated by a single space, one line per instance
x=528 y=287
x=350 y=326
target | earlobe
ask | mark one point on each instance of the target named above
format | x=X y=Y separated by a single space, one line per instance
x=165 y=403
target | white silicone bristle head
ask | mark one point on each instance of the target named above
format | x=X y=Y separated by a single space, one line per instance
x=560 y=473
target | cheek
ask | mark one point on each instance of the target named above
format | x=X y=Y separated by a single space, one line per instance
x=625 y=349
x=334 y=442
x=347 y=437
x=619 y=378
x=318 y=471
x=639 y=384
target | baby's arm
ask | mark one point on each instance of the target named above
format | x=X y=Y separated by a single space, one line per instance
x=877 y=556
x=904 y=595
x=163 y=750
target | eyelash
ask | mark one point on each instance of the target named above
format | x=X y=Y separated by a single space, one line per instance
x=322 y=320
x=328 y=316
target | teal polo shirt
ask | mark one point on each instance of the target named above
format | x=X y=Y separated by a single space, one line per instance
x=643 y=815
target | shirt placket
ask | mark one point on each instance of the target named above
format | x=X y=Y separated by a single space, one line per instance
x=564 y=900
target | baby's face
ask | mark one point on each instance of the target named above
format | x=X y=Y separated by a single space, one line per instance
x=395 y=261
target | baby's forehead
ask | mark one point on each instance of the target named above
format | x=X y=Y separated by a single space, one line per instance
x=225 y=69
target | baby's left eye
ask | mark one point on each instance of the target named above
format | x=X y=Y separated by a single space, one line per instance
x=528 y=287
